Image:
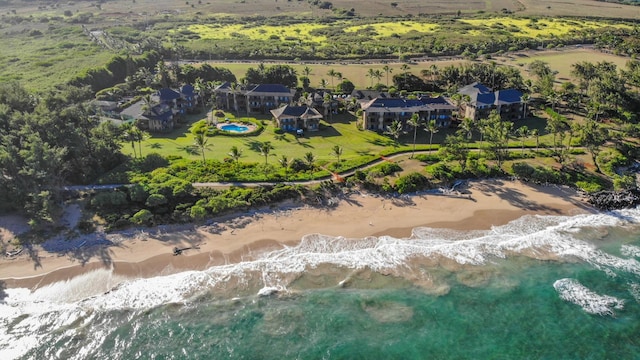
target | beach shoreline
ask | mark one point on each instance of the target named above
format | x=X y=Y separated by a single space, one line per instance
x=244 y=236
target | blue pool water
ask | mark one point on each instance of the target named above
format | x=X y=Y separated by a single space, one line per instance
x=234 y=128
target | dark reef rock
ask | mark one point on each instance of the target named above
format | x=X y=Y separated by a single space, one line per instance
x=611 y=200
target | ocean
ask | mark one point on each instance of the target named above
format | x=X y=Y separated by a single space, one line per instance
x=539 y=287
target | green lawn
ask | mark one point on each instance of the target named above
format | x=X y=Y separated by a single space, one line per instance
x=340 y=131
x=358 y=146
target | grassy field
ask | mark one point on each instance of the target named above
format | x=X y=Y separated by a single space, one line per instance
x=561 y=60
x=44 y=45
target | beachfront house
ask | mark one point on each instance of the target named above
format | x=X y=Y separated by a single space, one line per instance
x=254 y=99
x=482 y=100
x=155 y=118
x=161 y=110
x=294 y=118
x=379 y=113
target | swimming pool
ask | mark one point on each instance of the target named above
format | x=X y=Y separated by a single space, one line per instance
x=234 y=128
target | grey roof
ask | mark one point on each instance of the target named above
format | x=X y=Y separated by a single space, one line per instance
x=303 y=112
x=135 y=111
x=270 y=88
x=481 y=95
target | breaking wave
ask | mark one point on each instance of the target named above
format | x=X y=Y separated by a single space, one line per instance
x=572 y=291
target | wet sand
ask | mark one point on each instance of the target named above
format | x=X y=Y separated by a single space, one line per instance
x=242 y=237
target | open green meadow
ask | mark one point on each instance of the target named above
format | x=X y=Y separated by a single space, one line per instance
x=562 y=60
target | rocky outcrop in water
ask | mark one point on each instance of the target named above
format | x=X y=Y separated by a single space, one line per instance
x=611 y=200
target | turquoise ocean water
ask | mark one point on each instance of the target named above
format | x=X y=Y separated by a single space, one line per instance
x=540 y=287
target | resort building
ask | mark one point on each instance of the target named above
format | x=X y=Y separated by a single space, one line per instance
x=159 y=113
x=293 y=118
x=379 y=113
x=482 y=100
x=256 y=99
x=155 y=118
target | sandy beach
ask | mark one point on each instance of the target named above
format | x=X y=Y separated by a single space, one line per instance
x=149 y=252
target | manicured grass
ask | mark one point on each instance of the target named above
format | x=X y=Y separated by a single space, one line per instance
x=341 y=131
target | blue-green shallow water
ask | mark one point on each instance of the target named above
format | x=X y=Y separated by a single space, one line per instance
x=502 y=308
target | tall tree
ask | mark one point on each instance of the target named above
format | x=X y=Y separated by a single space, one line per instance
x=432 y=128
x=593 y=137
x=235 y=154
x=524 y=133
x=387 y=70
x=265 y=149
x=201 y=141
x=497 y=135
x=310 y=159
x=336 y=150
x=414 y=121
x=286 y=164
x=395 y=130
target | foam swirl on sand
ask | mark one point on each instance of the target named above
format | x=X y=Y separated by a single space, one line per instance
x=572 y=291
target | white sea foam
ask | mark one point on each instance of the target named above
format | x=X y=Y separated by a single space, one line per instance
x=573 y=291
x=630 y=251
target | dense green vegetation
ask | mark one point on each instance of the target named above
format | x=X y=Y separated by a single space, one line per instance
x=582 y=132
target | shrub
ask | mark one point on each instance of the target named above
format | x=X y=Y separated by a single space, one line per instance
x=609 y=160
x=156 y=200
x=441 y=172
x=198 y=212
x=153 y=161
x=411 y=183
x=109 y=199
x=588 y=186
x=143 y=216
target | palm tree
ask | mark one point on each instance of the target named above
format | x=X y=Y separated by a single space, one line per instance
x=536 y=133
x=337 y=152
x=265 y=149
x=524 y=133
x=323 y=84
x=200 y=87
x=310 y=159
x=202 y=143
x=414 y=121
x=395 y=130
x=378 y=75
x=128 y=135
x=306 y=71
x=235 y=90
x=140 y=136
x=405 y=70
x=387 y=70
x=432 y=128
x=235 y=154
x=370 y=74
x=285 y=163
x=457 y=99
x=466 y=127
x=332 y=73
x=525 y=100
